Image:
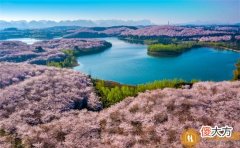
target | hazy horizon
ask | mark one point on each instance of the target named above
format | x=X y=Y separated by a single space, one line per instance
x=197 y=22
x=158 y=12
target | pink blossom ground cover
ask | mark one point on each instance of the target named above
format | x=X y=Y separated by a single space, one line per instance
x=52 y=107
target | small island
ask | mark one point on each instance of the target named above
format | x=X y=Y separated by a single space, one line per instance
x=177 y=48
x=169 y=49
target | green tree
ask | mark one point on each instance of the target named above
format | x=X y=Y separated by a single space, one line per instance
x=237 y=71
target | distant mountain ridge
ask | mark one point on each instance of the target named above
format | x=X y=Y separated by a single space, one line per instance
x=83 y=23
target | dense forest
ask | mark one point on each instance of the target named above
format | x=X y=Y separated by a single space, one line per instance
x=69 y=61
x=111 y=92
x=159 y=49
x=170 y=48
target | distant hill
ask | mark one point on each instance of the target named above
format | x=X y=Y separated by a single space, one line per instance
x=84 y=23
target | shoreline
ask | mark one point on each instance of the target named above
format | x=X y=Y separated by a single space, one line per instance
x=225 y=48
x=137 y=41
x=174 y=54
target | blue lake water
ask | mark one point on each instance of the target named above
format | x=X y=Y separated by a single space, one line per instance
x=129 y=64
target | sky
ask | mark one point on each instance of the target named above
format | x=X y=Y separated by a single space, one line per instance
x=157 y=11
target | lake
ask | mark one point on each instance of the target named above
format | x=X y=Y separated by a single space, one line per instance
x=129 y=64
